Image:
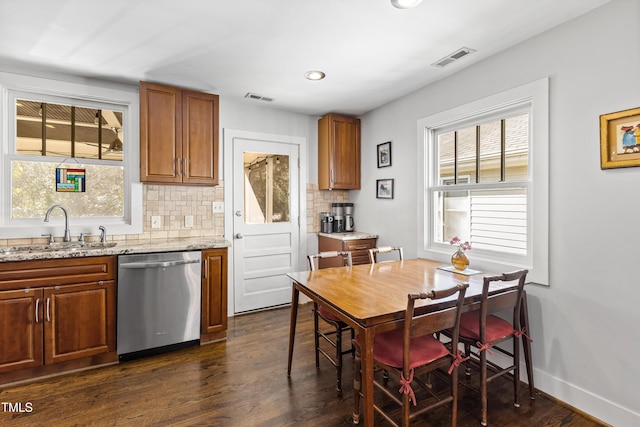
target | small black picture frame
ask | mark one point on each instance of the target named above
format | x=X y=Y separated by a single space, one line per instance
x=384 y=154
x=384 y=188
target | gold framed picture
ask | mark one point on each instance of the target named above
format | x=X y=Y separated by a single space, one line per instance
x=620 y=139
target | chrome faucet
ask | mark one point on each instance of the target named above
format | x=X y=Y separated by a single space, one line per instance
x=67 y=233
x=103 y=234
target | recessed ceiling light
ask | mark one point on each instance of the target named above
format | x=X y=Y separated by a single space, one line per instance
x=405 y=4
x=314 y=75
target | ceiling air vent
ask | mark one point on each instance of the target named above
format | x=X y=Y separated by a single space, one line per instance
x=462 y=52
x=258 y=97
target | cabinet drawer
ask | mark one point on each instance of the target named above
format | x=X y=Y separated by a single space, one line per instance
x=38 y=273
x=360 y=245
x=359 y=250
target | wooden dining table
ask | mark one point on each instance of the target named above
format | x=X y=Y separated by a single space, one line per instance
x=373 y=297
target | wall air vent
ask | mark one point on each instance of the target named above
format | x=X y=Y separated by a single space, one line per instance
x=258 y=97
x=460 y=53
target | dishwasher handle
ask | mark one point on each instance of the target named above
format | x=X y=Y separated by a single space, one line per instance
x=159 y=264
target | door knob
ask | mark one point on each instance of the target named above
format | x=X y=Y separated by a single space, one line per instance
x=239 y=236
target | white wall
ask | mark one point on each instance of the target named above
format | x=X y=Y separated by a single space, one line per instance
x=585 y=324
x=257 y=118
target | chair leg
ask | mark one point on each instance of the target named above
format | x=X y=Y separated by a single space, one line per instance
x=516 y=372
x=316 y=338
x=357 y=385
x=339 y=357
x=483 y=386
x=406 y=407
x=454 y=395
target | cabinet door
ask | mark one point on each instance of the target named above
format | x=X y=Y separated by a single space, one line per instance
x=160 y=133
x=214 y=292
x=199 y=138
x=328 y=244
x=20 y=329
x=346 y=153
x=79 y=321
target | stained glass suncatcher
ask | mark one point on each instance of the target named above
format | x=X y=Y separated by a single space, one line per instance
x=70 y=180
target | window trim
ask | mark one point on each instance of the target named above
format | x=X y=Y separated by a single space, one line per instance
x=14 y=86
x=536 y=95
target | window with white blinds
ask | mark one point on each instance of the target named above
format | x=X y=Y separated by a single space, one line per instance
x=482 y=177
x=486 y=181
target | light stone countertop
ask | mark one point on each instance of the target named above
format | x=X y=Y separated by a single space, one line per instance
x=75 y=250
x=351 y=235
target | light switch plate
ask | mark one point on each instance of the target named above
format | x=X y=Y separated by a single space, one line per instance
x=188 y=221
x=217 y=207
x=156 y=221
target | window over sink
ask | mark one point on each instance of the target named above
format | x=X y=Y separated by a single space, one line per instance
x=52 y=124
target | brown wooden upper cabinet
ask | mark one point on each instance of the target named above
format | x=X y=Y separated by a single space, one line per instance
x=178 y=135
x=338 y=153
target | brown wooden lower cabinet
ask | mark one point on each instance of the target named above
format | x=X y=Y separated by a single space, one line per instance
x=53 y=320
x=359 y=249
x=214 y=295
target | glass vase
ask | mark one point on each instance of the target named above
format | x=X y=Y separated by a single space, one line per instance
x=459 y=260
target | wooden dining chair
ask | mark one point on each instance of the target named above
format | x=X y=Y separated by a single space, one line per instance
x=373 y=252
x=480 y=331
x=338 y=327
x=411 y=351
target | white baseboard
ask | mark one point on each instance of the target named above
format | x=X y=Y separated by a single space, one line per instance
x=592 y=404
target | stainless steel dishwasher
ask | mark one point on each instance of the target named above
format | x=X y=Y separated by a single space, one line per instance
x=159 y=296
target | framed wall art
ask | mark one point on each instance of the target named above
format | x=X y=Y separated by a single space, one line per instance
x=384 y=154
x=620 y=139
x=384 y=188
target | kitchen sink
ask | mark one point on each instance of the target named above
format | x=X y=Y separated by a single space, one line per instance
x=57 y=247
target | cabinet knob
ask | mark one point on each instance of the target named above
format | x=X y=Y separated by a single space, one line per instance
x=239 y=236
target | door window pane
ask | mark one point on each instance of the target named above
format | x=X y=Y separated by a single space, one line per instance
x=266 y=188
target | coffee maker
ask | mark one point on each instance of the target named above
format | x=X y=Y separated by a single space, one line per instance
x=348 y=217
x=326 y=222
x=338 y=217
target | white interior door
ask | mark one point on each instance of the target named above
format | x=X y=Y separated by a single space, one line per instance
x=265 y=222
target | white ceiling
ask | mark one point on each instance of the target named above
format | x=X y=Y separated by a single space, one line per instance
x=371 y=52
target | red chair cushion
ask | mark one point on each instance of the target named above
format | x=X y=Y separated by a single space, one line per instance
x=496 y=327
x=326 y=314
x=387 y=349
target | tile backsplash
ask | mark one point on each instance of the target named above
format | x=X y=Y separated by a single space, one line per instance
x=173 y=202
x=320 y=201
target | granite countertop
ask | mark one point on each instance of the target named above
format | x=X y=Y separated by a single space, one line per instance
x=351 y=235
x=76 y=250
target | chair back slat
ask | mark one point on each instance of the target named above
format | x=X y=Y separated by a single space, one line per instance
x=433 y=322
x=507 y=300
x=385 y=250
x=346 y=256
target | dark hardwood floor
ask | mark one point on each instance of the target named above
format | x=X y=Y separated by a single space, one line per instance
x=240 y=382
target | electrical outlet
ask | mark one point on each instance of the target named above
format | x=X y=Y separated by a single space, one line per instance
x=156 y=222
x=188 y=221
x=217 y=207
